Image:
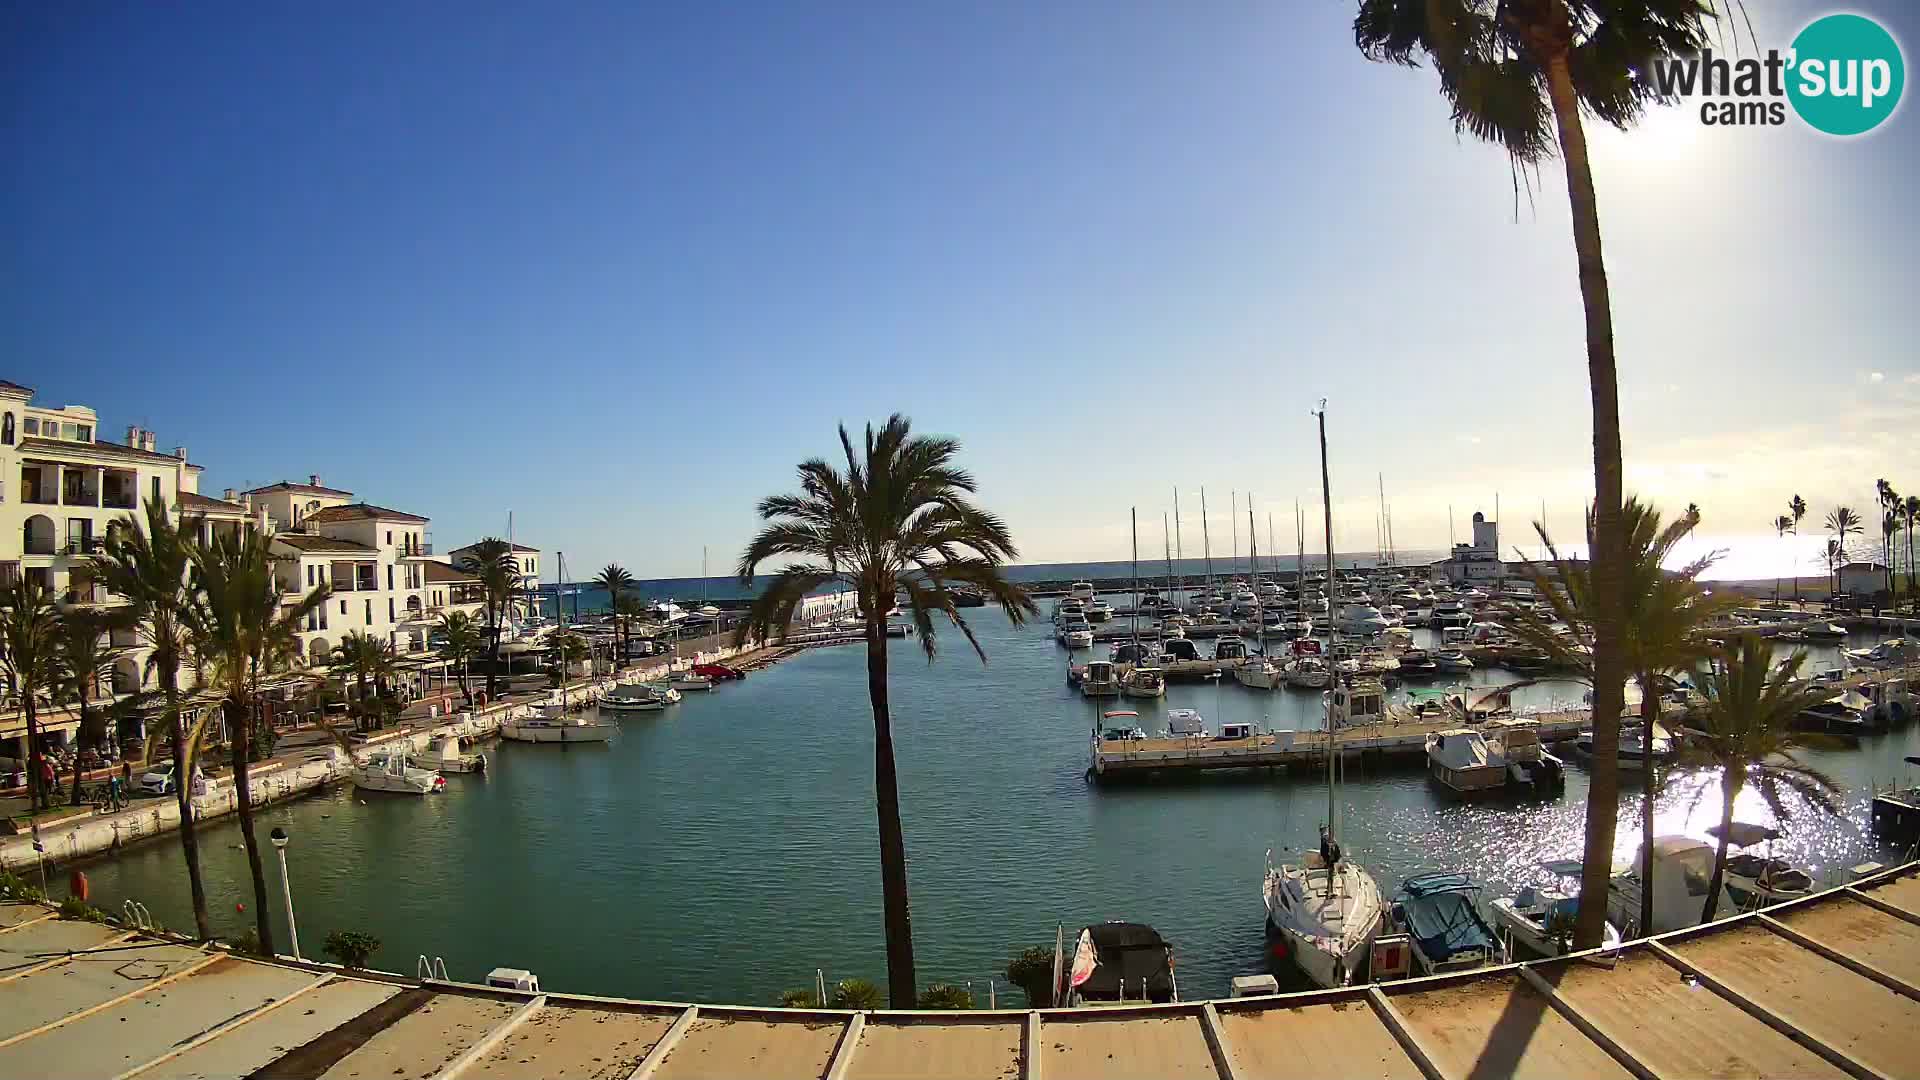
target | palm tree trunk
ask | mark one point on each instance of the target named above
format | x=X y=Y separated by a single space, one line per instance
x=238 y=739
x=1609 y=666
x=183 y=796
x=901 y=981
x=79 y=734
x=1729 y=787
x=38 y=798
x=1649 y=710
x=493 y=659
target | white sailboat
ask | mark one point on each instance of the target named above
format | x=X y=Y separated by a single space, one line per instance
x=1326 y=908
x=553 y=724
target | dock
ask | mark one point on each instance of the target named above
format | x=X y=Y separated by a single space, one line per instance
x=1828 y=985
x=1121 y=759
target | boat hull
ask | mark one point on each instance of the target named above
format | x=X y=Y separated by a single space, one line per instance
x=557 y=733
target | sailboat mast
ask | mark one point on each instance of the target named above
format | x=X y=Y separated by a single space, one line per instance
x=1233 y=529
x=1135 y=511
x=1253 y=556
x=1300 y=560
x=1177 y=553
x=1333 y=626
x=1206 y=539
x=1168 y=546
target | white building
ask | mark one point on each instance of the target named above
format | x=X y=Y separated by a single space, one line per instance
x=61 y=492
x=1480 y=560
x=524 y=557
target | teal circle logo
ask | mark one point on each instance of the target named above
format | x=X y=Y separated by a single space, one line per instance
x=1847 y=74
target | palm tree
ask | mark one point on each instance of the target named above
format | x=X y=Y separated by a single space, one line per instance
x=615 y=579
x=492 y=561
x=1842 y=523
x=240 y=629
x=1910 y=509
x=899 y=518
x=1667 y=613
x=1889 y=529
x=30 y=661
x=1781 y=526
x=1797 y=506
x=1518 y=73
x=463 y=639
x=85 y=661
x=1747 y=730
x=368 y=658
x=147 y=562
x=628 y=610
x=569 y=649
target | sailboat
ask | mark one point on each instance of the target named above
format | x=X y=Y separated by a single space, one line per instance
x=1326 y=908
x=1141 y=681
x=705 y=610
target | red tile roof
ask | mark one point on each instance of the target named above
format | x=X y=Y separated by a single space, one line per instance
x=303 y=489
x=360 y=512
x=193 y=500
x=441 y=573
x=110 y=449
x=310 y=542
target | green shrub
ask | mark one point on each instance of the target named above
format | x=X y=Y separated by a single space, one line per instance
x=15 y=887
x=945 y=996
x=75 y=908
x=799 y=999
x=1032 y=972
x=247 y=943
x=856 y=994
x=351 y=948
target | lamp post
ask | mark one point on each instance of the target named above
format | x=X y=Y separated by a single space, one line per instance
x=279 y=837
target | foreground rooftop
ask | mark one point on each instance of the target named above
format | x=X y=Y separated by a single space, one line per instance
x=1828 y=986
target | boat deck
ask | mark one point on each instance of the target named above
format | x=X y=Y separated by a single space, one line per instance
x=1403 y=736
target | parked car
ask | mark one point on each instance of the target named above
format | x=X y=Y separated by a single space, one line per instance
x=160 y=779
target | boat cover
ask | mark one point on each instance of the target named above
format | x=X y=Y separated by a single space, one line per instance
x=1462 y=749
x=1441 y=917
x=1127 y=953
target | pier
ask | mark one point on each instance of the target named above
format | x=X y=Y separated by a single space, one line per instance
x=1828 y=985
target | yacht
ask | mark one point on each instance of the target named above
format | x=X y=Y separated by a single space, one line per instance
x=1538 y=921
x=1144 y=682
x=689 y=680
x=1848 y=711
x=1069 y=611
x=1076 y=635
x=393 y=771
x=1100 y=679
x=1307 y=673
x=1448 y=613
x=1448 y=661
x=1259 y=673
x=552 y=724
x=1442 y=915
x=445 y=756
x=1081 y=591
x=1185 y=724
x=1359 y=618
x=1099 y=611
x=639 y=697
x=1824 y=632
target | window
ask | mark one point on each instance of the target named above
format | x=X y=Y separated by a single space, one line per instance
x=389 y=569
x=30 y=426
x=6 y=430
x=369 y=613
x=83 y=433
x=309 y=577
x=389 y=536
x=390 y=615
x=343 y=607
x=156 y=489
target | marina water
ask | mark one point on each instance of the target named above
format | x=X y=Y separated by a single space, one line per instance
x=724 y=849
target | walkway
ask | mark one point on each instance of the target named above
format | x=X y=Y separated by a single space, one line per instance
x=1828 y=986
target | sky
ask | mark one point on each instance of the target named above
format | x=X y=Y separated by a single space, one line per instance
x=616 y=268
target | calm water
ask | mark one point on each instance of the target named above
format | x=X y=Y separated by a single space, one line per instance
x=723 y=850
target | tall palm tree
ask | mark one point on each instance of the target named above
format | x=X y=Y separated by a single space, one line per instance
x=1889 y=530
x=1667 y=613
x=1888 y=500
x=900 y=517
x=615 y=579
x=1796 y=506
x=492 y=561
x=30 y=661
x=1782 y=525
x=147 y=562
x=1518 y=73
x=85 y=661
x=1842 y=523
x=240 y=629
x=628 y=610
x=1910 y=509
x=369 y=659
x=463 y=638
x=1747 y=730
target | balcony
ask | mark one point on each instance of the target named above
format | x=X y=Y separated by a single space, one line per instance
x=117 y=500
x=38 y=498
x=420 y=550
x=84 y=545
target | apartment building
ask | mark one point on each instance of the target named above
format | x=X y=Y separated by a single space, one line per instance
x=528 y=561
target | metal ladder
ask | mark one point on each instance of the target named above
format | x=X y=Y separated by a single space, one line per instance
x=431 y=970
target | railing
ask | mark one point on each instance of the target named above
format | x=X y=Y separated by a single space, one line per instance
x=80 y=497
x=120 y=502
x=424 y=547
x=86 y=545
x=41 y=547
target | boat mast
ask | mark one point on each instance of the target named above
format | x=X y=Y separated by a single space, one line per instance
x=1300 y=560
x=1168 y=546
x=1333 y=626
x=1206 y=540
x=1177 y=553
x=1135 y=511
x=1233 y=529
x=1253 y=556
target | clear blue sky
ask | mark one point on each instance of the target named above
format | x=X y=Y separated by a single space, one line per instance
x=617 y=267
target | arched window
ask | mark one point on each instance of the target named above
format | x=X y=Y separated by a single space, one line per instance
x=6 y=430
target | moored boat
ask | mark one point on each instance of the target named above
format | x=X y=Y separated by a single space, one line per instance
x=1144 y=682
x=445 y=756
x=639 y=697
x=392 y=770
x=1441 y=914
x=552 y=724
x=1538 y=920
x=1115 y=963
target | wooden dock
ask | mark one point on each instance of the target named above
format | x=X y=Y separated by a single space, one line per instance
x=1825 y=986
x=1120 y=759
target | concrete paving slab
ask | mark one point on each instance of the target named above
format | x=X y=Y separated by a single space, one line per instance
x=1902 y=892
x=424 y=1041
x=140 y=1029
x=252 y=1045
x=86 y=981
x=43 y=941
x=1344 y=1039
x=575 y=1043
x=1862 y=933
x=1498 y=1026
x=949 y=1050
x=14 y=914
x=1125 y=1048
x=722 y=1048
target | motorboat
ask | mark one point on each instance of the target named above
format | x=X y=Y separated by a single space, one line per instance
x=445 y=756
x=1228 y=647
x=1134 y=652
x=1307 y=673
x=1144 y=682
x=1823 y=632
x=1418 y=664
x=1633 y=752
x=1100 y=679
x=1327 y=911
x=1441 y=913
x=1760 y=880
x=1516 y=741
x=1448 y=661
x=719 y=672
x=1682 y=872
x=1069 y=611
x=639 y=697
x=552 y=724
x=1081 y=591
x=1460 y=761
x=1296 y=626
x=393 y=771
x=1121 y=724
x=1359 y=618
x=1847 y=711
x=1178 y=650
x=1099 y=611
x=1258 y=673
x=1077 y=636
x=689 y=680
x=1448 y=613
x=1186 y=724
x=1538 y=921
x=1115 y=963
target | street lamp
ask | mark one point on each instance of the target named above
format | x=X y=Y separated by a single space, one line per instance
x=279 y=837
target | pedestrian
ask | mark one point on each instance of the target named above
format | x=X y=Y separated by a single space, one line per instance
x=113 y=791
